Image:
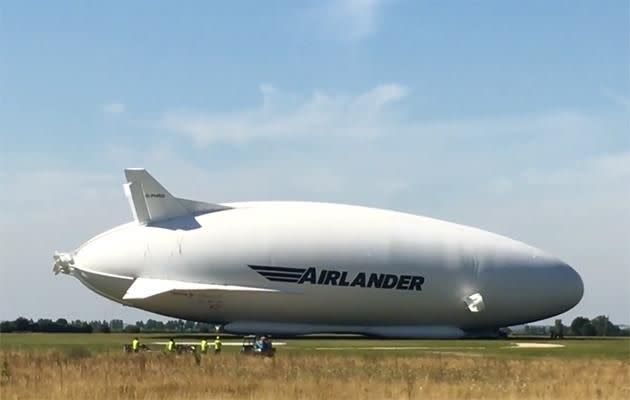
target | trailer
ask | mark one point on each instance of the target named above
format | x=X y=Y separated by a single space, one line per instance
x=127 y=348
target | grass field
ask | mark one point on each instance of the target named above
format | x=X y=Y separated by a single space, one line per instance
x=69 y=366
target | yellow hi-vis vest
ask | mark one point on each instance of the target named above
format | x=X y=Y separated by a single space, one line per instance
x=135 y=344
x=204 y=345
x=170 y=346
x=217 y=344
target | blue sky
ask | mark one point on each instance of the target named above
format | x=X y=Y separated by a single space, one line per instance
x=511 y=117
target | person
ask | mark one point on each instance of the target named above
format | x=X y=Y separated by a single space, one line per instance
x=263 y=343
x=204 y=346
x=135 y=345
x=170 y=346
x=267 y=343
x=217 y=345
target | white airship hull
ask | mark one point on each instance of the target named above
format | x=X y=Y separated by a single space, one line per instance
x=295 y=268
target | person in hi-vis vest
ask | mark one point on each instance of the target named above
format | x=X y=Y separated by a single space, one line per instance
x=217 y=345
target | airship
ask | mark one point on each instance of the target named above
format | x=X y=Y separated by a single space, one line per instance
x=298 y=268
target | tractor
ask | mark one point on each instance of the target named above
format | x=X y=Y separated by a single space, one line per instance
x=258 y=346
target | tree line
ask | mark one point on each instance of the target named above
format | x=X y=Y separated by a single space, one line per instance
x=581 y=326
x=62 y=325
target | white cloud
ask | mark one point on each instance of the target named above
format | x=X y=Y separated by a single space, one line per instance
x=621 y=100
x=349 y=20
x=376 y=115
x=114 y=108
x=281 y=115
x=600 y=170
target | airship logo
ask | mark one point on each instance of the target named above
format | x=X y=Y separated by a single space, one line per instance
x=329 y=277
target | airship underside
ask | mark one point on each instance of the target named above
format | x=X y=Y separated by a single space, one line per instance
x=300 y=267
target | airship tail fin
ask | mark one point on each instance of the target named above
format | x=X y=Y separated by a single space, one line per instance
x=151 y=202
x=143 y=288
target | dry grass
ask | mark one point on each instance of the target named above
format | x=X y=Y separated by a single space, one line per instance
x=79 y=375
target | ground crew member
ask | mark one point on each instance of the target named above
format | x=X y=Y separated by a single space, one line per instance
x=204 y=346
x=217 y=345
x=170 y=346
x=135 y=345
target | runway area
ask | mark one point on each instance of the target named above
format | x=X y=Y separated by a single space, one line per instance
x=331 y=344
x=68 y=366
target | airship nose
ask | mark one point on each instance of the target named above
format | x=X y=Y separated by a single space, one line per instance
x=526 y=289
x=564 y=287
x=573 y=286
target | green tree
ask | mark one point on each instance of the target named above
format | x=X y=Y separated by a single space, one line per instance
x=100 y=326
x=116 y=325
x=105 y=327
x=558 y=330
x=131 y=329
x=7 y=326
x=23 y=325
x=603 y=326
x=189 y=326
x=578 y=324
x=171 y=325
x=62 y=322
x=45 y=325
x=153 y=325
